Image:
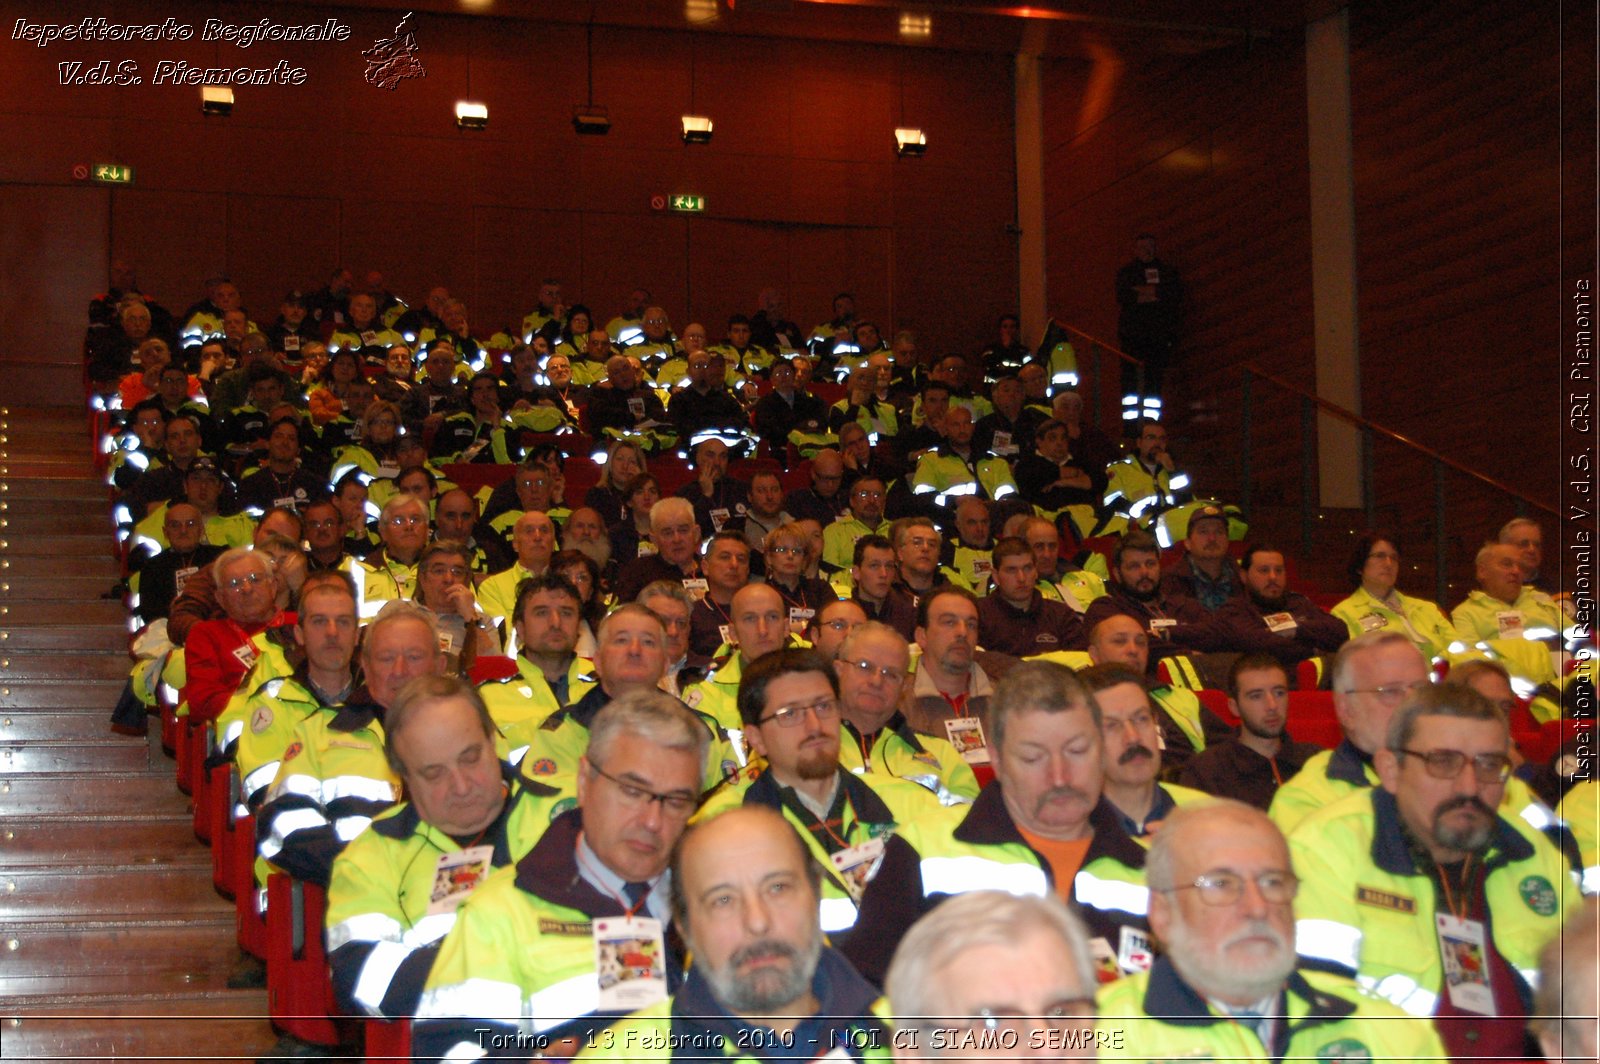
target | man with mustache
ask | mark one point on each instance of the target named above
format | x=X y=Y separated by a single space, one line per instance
x=1401 y=881
x=764 y=985
x=1043 y=826
x=1227 y=986
x=951 y=688
x=595 y=884
x=1133 y=751
x=789 y=705
x=1252 y=765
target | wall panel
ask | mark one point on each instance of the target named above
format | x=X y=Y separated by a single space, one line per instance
x=803 y=140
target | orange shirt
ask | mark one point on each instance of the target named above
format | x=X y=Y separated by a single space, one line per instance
x=1065 y=858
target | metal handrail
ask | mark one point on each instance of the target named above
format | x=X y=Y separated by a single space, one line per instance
x=1345 y=415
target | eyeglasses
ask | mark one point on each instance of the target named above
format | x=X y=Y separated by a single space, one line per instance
x=678 y=805
x=867 y=668
x=1390 y=694
x=839 y=625
x=173 y=522
x=1447 y=764
x=793 y=716
x=869 y=494
x=406 y=520
x=317 y=526
x=1006 y=1018
x=239 y=583
x=457 y=571
x=1226 y=888
x=787 y=550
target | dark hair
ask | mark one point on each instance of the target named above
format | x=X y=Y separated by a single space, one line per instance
x=738 y=319
x=941 y=591
x=149 y=404
x=1110 y=674
x=729 y=536
x=768 y=667
x=260 y=372
x=299 y=429
x=1363 y=550
x=935 y=386
x=593 y=610
x=433 y=481
x=1252 y=550
x=549 y=580
x=1010 y=547
x=874 y=542
x=1257 y=662
x=1135 y=539
x=336 y=579
x=545 y=454
x=1009 y=317
x=284 y=511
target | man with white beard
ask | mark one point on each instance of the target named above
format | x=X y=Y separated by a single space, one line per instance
x=1227 y=985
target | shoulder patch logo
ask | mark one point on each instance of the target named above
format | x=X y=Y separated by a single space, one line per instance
x=1539 y=895
x=292 y=752
x=566 y=805
x=261 y=719
x=1343 y=1050
x=544 y=766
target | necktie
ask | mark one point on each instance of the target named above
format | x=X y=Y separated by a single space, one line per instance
x=636 y=894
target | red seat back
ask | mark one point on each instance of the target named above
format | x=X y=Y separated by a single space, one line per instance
x=299 y=983
x=1217 y=702
x=1312 y=719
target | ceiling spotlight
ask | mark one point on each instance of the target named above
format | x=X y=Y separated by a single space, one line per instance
x=696 y=129
x=910 y=141
x=591 y=120
x=472 y=115
x=216 y=100
x=916 y=26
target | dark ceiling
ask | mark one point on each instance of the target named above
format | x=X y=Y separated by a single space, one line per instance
x=1059 y=28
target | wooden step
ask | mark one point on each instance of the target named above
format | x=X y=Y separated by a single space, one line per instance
x=35 y=666
x=88 y=544
x=109 y=612
x=21 y=469
x=135 y=892
x=86 y=522
x=154 y=792
x=45 y=757
x=89 y=725
x=58 y=566
x=20 y=693
x=194 y=953
x=24 y=634
x=53 y=488
x=72 y=841
x=143 y=1027
x=98 y=503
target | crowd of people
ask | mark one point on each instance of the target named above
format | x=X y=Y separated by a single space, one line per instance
x=988 y=712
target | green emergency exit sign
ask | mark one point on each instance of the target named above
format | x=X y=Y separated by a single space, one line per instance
x=112 y=174
x=691 y=204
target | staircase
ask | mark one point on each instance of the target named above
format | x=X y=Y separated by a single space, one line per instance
x=113 y=944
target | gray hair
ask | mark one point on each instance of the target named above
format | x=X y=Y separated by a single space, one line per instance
x=669 y=509
x=1160 y=870
x=1446 y=700
x=1361 y=644
x=671 y=589
x=627 y=609
x=865 y=630
x=417 y=695
x=654 y=716
x=401 y=501
x=936 y=942
x=396 y=610
x=1040 y=686
x=236 y=554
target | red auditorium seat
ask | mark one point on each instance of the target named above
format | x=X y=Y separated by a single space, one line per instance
x=829 y=392
x=487 y=668
x=581 y=474
x=299 y=983
x=1312 y=719
x=249 y=925
x=473 y=476
x=1305 y=676
x=671 y=472
x=797 y=476
x=388 y=1040
x=1217 y=702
